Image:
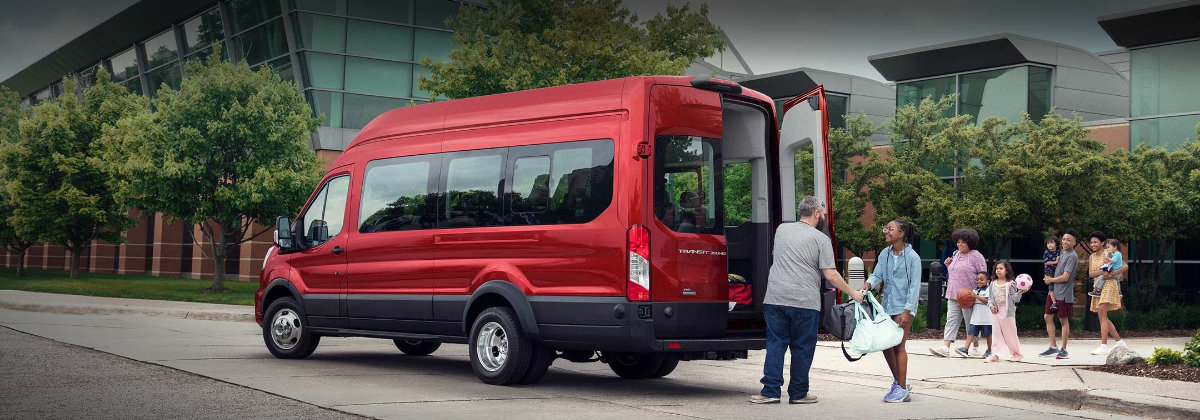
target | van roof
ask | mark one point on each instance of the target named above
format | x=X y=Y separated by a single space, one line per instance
x=575 y=99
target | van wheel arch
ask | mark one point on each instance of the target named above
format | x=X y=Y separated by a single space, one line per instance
x=500 y=293
x=280 y=288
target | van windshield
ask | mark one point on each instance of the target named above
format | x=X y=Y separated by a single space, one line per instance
x=688 y=184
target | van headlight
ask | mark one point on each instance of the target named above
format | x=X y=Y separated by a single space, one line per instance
x=270 y=251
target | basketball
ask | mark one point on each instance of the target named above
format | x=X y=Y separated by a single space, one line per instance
x=1023 y=281
x=965 y=299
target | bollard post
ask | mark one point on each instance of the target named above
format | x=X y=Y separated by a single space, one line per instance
x=934 y=299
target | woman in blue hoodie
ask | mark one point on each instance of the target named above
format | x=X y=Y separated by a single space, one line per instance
x=898 y=269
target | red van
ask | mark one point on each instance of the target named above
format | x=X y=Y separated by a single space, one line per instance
x=586 y=222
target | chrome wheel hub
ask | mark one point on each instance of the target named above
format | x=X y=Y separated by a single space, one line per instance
x=285 y=329
x=491 y=345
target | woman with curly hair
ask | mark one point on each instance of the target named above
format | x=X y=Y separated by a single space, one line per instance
x=962 y=266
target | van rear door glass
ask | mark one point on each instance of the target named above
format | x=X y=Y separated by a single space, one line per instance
x=687 y=189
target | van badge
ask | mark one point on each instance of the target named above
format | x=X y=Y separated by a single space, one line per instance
x=701 y=252
x=689 y=292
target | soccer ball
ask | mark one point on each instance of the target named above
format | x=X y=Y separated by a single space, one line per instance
x=965 y=298
x=1023 y=281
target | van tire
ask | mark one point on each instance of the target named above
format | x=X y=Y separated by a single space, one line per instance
x=542 y=358
x=668 y=365
x=636 y=365
x=504 y=355
x=416 y=347
x=290 y=341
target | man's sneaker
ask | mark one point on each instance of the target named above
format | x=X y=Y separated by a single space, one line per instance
x=1102 y=349
x=940 y=351
x=808 y=399
x=1050 y=352
x=1062 y=354
x=974 y=352
x=962 y=351
x=762 y=399
x=1120 y=343
x=1094 y=293
x=897 y=394
x=987 y=354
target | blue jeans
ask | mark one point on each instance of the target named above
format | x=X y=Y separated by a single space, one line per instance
x=795 y=329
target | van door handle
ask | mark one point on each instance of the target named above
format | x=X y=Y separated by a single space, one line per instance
x=338 y=250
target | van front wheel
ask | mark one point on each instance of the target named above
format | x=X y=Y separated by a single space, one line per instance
x=640 y=365
x=500 y=353
x=284 y=332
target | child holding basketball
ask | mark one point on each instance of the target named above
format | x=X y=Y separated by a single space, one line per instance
x=1003 y=297
x=980 y=325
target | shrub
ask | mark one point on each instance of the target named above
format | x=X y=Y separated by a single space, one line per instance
x=1166 y=356
x=1194 y=345
x=1192 y=359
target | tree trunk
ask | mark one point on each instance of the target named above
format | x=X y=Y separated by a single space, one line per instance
x=21 y=262
x=75 y=262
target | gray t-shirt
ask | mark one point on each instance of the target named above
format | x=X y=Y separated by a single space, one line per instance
x=801 y=252
x=1065 y=291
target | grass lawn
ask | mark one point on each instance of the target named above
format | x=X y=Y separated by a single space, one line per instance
x=127 y=286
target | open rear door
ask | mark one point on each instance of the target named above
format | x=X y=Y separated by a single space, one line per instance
x=804 y=166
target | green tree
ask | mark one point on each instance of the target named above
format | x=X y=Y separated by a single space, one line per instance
x=512 y=45
x=226 y=152
x=848 y=147
x=54 y=175
x=1151 y=200
x=10 y=134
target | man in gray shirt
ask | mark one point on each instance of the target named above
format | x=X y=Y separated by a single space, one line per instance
x=792 y=307
x=1063 y=303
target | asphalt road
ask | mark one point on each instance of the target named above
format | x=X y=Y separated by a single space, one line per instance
x=166 y=363
x=48 y=379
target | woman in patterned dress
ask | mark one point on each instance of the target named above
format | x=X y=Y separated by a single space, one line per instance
x=1110 y=296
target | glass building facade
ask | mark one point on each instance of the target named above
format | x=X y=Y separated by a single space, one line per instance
x=1004 y=93
x=352 y=59
x=1165 y=89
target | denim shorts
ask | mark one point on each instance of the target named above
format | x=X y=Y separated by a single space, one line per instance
x=979 y=330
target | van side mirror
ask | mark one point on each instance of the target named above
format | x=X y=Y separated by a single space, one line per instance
x=283 y=233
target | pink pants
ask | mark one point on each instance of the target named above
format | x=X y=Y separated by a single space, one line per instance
x=1004 y=334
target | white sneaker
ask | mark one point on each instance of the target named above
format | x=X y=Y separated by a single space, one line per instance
x=975 y=352
x=1103 y=349
x=940 y=351
x=1120 y=343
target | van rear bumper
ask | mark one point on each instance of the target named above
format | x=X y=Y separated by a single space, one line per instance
x=617 y=325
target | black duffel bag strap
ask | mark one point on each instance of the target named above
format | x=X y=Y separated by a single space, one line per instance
x=847 y=354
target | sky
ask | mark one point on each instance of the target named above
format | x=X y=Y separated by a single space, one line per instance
x=772 y=35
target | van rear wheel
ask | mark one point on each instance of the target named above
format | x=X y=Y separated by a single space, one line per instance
x=640 y=365
x=416 y=347
x=500 y=353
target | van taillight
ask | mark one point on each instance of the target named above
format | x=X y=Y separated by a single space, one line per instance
x=638 y=241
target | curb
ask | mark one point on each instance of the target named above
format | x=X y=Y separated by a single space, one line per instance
x=234 y=316
x=1114 y=402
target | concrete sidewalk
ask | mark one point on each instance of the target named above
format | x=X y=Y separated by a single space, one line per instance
x=1063 y=383
x=93 y=305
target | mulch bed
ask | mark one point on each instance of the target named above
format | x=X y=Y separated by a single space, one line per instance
x=931 y=334
x=1178 y=372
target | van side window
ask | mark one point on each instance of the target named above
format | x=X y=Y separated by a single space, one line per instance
x=325 y=215
x=573 y=184
x=473 y=183
x=530 y=185
x=398 y=195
